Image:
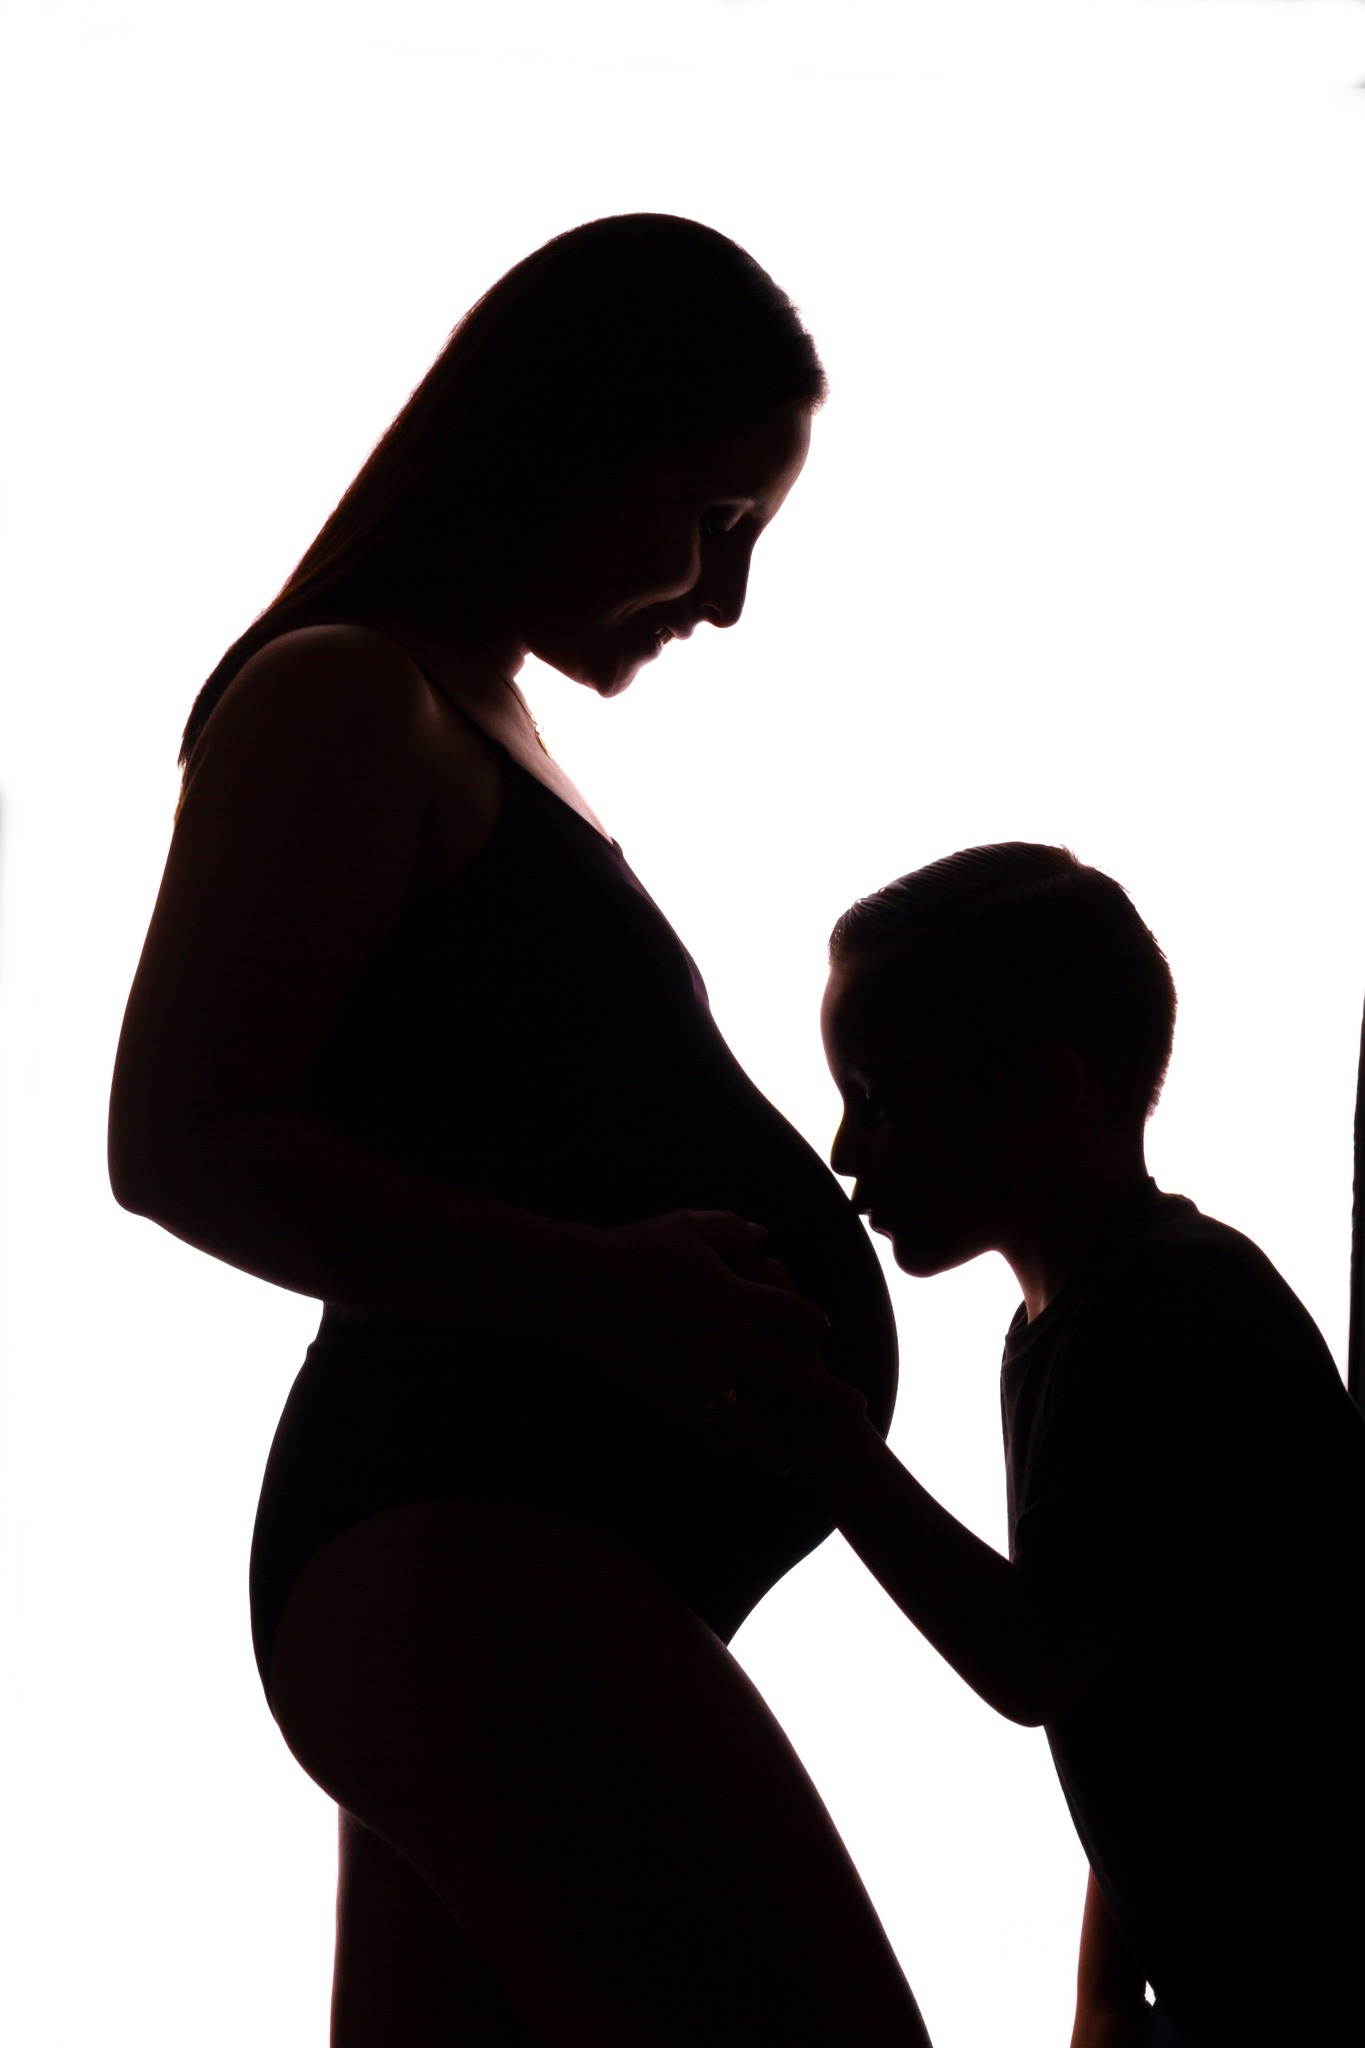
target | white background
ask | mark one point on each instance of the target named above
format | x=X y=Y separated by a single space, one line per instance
x=1077 y=556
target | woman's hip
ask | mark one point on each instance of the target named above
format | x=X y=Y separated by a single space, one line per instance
x=369 y=1430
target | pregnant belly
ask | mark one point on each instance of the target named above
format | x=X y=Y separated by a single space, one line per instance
x=386 y=1410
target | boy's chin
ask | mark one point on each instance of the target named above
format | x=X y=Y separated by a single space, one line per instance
x=921 y=1255
x=922 y=1265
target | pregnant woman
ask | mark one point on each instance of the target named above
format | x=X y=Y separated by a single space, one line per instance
x=409 y=1036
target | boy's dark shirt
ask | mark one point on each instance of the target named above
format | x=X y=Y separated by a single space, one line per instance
x=1183 y=1461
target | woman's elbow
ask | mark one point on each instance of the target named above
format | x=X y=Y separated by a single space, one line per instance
x=1027 y=1705
x=148 y=1160
x=1024 y=1714
x=132 y=1176
x=1038 y=1693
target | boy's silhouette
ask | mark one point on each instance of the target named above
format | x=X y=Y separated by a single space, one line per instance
x=1185 y=1471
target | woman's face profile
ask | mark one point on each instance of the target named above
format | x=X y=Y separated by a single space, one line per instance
x=663 y=548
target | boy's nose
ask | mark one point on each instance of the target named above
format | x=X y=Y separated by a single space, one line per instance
x=847 y=1159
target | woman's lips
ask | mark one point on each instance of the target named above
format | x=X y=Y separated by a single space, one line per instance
x=664 y=633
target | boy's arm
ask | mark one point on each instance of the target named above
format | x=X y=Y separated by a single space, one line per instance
x=1111 y=2005
x=1028 y=1656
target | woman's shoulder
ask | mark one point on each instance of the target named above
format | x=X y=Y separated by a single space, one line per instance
x=338 y=669
x=326 y=695
x=340 y=714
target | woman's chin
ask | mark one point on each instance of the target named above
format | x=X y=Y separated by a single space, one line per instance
x=611 y=681
x=606 y=677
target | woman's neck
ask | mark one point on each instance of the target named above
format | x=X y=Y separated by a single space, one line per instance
x=473 y=655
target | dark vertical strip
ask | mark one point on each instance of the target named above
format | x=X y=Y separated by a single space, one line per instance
x=1357 y=1337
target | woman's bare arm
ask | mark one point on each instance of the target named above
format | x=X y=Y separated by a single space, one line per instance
x=299 y=842
x=308 y=820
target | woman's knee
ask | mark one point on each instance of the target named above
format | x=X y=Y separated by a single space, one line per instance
x=406 y=1974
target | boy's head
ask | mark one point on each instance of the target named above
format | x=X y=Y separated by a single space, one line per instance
x=998 y=1023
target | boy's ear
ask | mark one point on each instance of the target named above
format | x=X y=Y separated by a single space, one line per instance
x=1056 y=1078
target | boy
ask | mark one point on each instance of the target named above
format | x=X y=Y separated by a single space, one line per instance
x=1185 y=1471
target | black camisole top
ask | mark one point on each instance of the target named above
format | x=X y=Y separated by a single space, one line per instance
x=534 y=1031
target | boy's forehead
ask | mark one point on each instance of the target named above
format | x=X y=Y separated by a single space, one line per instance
x=854 y=1014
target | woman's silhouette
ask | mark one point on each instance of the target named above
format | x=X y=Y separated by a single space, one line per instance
x=408 y=1035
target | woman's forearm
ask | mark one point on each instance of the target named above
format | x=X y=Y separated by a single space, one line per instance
x=979 y=1611
x=663 y=1306
x=285 y=1197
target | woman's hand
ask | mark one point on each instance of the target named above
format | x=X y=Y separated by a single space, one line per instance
x=687 y=1312
x=803 y=1407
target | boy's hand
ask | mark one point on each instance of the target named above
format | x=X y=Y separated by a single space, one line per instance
x=663 y=1307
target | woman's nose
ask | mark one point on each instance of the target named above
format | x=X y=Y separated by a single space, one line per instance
x=721 y=589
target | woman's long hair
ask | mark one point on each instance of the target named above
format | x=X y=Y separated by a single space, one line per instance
x=619 y=336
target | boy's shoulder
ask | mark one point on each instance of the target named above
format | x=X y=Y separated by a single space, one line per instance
x=1179 y=1297
x=1176 y=1363
x=1164 y=1247
x=1161 y=1248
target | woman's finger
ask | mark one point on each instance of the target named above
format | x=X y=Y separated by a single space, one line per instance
x=790 y=1318
x=763 y=1271
x=721 y=1231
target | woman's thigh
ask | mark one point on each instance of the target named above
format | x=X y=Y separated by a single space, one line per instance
x=406 y=1977
x=588 y=1783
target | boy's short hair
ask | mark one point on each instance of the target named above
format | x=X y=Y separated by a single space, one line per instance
x=993 y=951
